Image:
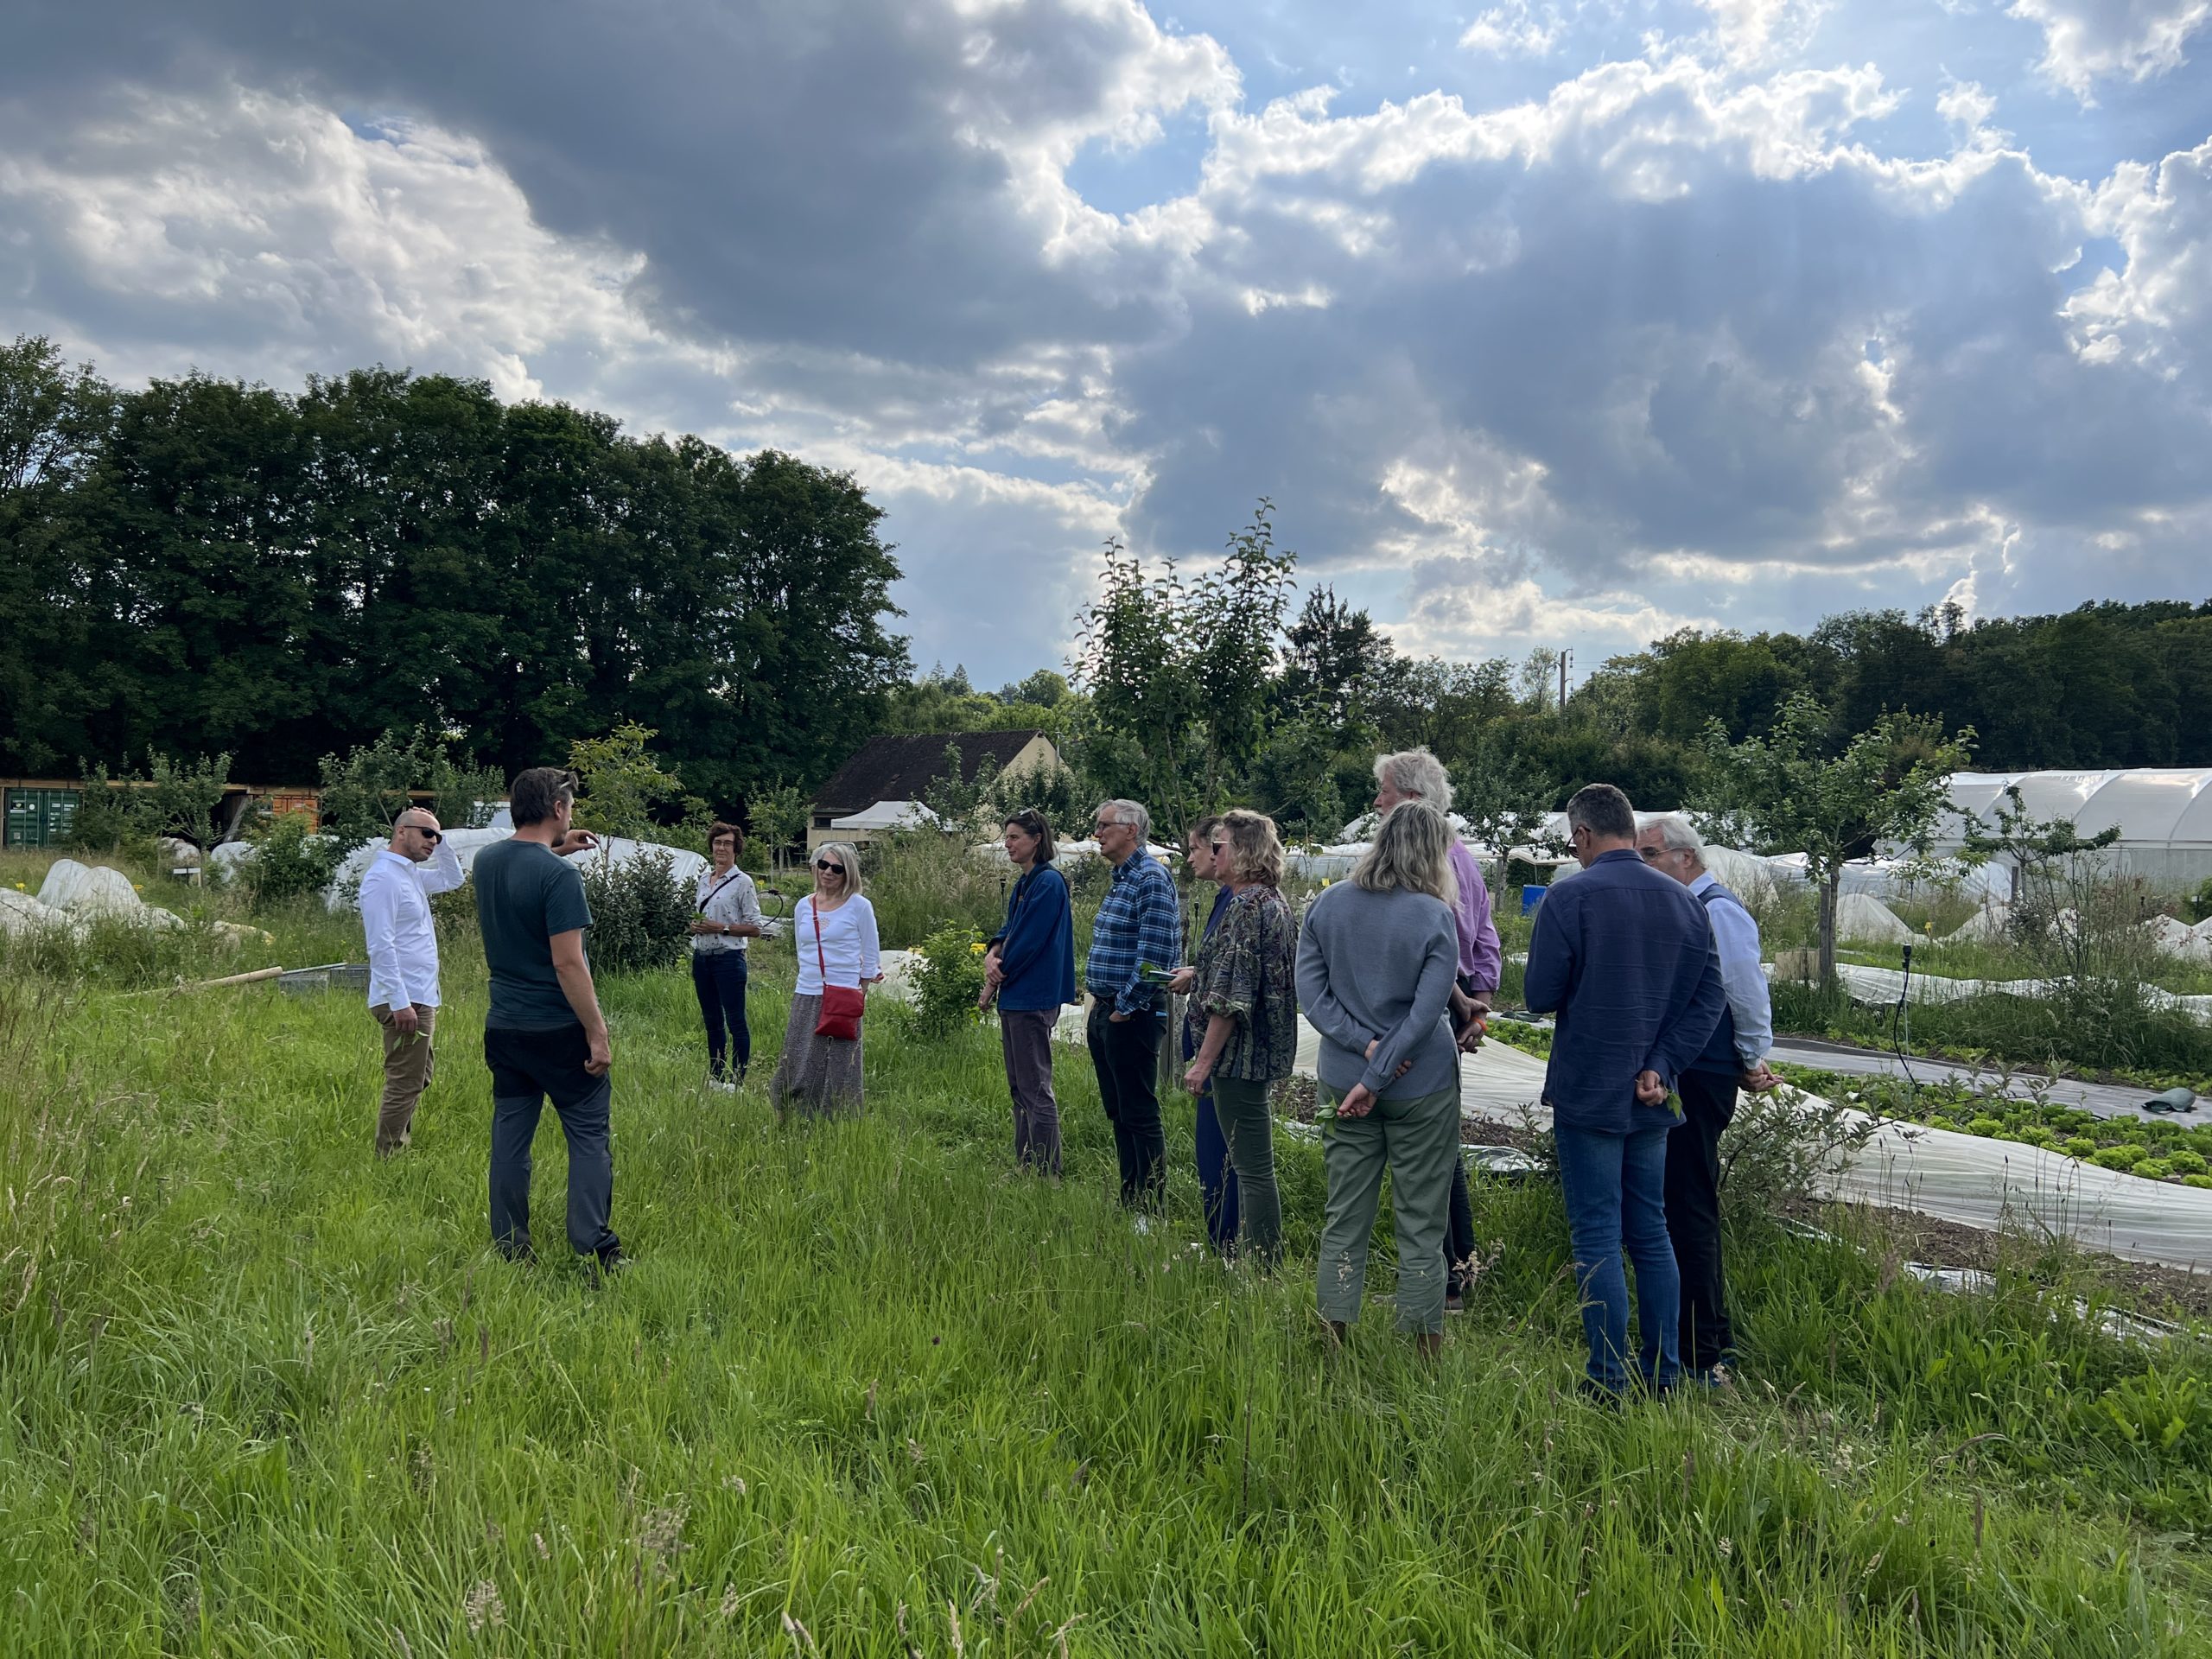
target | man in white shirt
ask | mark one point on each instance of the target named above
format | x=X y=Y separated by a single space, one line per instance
x=1734 y=1058
x=396 y=893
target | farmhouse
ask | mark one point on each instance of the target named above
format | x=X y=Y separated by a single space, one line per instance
x=882 y=785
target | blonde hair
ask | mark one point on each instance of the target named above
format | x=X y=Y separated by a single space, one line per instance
x=849 y=857
x=1255 y=848
x=1412 y=851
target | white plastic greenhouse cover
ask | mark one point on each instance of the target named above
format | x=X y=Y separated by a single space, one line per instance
x=2152 y=806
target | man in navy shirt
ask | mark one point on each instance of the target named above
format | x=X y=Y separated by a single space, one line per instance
x=1624 y=955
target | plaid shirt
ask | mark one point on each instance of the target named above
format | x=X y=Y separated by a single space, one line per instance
x=1140 y=921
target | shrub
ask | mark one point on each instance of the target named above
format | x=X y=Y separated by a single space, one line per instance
x=2185 y=1162
x=641 y=914
x=2196 y=1180
x=2153 y=1169
x=1986 y=1126
x=921 y=882
x=289 y=859
x=2125 y=1156
x=1780 y=1144
x=947 y=980
x=2081 y=1147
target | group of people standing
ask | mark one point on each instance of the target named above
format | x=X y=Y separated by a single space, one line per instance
x=1651 y=966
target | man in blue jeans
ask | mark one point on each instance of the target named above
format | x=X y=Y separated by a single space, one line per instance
x=545 y=1036
x=1625 y=956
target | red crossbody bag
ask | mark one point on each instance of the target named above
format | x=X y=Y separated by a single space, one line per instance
x=841 y=1005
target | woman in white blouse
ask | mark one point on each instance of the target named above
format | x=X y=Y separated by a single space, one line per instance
x=727 y=914
x=834 y=929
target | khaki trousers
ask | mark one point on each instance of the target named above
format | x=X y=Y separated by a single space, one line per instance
x=408 y=1062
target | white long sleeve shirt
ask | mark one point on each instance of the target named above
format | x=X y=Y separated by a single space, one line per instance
x=396 y=917
x=848 y=944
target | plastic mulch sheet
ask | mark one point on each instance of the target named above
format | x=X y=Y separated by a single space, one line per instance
x=1940 y=1173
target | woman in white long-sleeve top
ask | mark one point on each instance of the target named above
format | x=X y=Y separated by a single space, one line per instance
x=834 y=928
x=1376 y=963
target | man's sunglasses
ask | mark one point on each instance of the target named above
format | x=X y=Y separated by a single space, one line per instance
x=824 y=864
x=428 y=835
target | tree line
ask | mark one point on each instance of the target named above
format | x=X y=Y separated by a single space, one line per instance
x=206 y=566
x=203 y=567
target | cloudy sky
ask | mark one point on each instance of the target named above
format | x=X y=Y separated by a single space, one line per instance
x=1543 y=323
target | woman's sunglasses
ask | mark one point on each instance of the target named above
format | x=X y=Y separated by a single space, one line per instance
x=824 y=864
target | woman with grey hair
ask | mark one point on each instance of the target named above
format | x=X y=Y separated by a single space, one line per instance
x=1375 y=965
x=834 y=928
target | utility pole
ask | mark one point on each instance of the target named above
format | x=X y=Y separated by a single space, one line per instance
x=1565 y=658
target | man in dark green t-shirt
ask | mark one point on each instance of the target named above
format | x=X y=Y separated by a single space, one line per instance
x=545 y=1036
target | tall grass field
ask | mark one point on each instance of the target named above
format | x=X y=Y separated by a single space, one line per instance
x=866 y=1390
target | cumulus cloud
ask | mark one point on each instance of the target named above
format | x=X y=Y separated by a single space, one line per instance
x=2088 y=41
x=1706 y=331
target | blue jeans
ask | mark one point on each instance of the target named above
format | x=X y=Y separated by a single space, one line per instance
x=1616 y=1195
x=718 y=979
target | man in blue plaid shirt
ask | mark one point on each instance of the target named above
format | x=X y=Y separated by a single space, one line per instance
x=1139 y=922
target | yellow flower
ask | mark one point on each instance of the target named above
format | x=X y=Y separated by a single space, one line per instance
x=975 y=950
x=20 y=888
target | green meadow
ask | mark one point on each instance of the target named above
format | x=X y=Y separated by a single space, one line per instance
x=867 y=1390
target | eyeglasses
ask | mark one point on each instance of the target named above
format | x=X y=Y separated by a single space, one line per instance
x=824 y=864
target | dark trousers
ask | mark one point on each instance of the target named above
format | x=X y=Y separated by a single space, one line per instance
x=1126 y=1055
x=719 y=978
x=527 y=1067
x=1458 y=1228
x=1694 y=1215
x=1025 y=1041
x=1217 y=1187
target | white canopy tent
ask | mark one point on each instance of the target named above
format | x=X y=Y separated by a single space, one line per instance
x=887 y=816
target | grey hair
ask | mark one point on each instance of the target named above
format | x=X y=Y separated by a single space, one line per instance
x=1129 y=813
x=849 y=856
x=1677 y=834
x=1412 y=850
x=1603 y=811
x=1417 y=773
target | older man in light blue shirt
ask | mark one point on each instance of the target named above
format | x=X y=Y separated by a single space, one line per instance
x=1734 y=1058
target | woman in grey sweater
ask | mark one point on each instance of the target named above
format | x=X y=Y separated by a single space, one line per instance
x=1375 y=967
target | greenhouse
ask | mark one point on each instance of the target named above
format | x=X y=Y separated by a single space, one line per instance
x=2163 y=814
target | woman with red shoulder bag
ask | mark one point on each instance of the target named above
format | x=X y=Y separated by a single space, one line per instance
x=833 y=927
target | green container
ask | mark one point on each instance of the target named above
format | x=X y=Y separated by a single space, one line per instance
x=39 y=816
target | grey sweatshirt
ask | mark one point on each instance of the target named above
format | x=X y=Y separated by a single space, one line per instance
x=1379 y=967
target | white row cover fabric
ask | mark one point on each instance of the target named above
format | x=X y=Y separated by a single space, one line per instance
x=23 y=916
x=1863 y=919
x=1940 y=1173
x=344 y=892
x=1881 y=986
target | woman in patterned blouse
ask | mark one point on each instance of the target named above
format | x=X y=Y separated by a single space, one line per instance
x=1243 y=1016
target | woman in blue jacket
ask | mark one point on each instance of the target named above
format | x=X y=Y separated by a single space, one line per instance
x=1030 y=972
